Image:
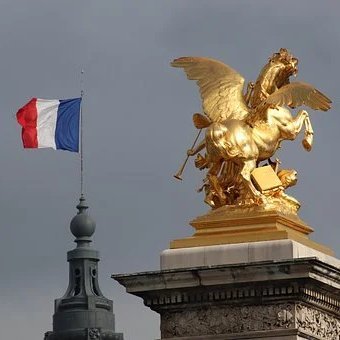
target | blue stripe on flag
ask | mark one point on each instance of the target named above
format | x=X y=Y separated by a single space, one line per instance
x=67 y=128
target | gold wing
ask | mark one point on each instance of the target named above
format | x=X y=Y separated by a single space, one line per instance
x=293 y=95
x=220 y=87
x=297 y=94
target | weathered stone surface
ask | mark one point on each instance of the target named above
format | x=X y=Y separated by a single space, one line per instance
x=288 y=300
x=317 y=323
x=217 y=320
x=94 y=333
x=240 y=253
x=227 y=319
x=267 y=335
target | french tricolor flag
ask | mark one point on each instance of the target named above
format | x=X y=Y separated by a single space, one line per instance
x=50 y=123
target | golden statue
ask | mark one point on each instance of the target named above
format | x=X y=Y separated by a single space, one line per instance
x=244 y=130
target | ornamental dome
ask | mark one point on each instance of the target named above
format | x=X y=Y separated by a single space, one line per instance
x=82 y=225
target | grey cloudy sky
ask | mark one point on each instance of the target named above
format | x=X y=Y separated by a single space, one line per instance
x=137 y=127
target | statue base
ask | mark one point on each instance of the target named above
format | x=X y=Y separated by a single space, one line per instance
x=234 y=224
x=282 y=300
x=244 y=276
x=248 y=252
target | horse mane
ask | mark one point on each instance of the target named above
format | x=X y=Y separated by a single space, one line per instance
x=273 y=75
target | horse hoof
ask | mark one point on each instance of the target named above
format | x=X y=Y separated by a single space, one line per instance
x=307 y=146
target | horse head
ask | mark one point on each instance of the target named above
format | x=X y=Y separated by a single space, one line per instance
x=281 y=66
x=274 y=74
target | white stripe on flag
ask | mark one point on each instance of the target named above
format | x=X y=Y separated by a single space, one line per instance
x=46 y=122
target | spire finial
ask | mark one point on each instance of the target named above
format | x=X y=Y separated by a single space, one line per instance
x=82 y=206
x=82 y=225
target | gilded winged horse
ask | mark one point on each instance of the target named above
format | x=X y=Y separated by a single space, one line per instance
x=243 y=129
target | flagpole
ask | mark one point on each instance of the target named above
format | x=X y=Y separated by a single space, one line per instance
x=81 y=135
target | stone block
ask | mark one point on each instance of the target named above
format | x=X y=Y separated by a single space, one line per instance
x=240 y=253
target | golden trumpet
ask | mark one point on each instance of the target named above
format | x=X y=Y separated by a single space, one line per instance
x=179 y=173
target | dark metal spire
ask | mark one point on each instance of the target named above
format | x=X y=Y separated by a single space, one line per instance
x=83 y=313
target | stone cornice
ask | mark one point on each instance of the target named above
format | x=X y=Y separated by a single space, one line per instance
x=297 y=269
x=307 y=280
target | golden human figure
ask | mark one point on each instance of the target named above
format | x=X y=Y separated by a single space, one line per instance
x=244 y=130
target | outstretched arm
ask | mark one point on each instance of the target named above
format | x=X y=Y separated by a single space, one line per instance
x=199 y=147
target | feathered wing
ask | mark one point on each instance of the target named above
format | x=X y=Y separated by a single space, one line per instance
x=293 y=95
x=220 y=87
x=297 y=94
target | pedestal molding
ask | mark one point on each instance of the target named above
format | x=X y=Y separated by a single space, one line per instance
x=292 y=299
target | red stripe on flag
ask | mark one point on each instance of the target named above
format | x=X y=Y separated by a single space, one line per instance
x=27 y=118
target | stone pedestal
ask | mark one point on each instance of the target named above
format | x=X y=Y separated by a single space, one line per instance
x=266 y=289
